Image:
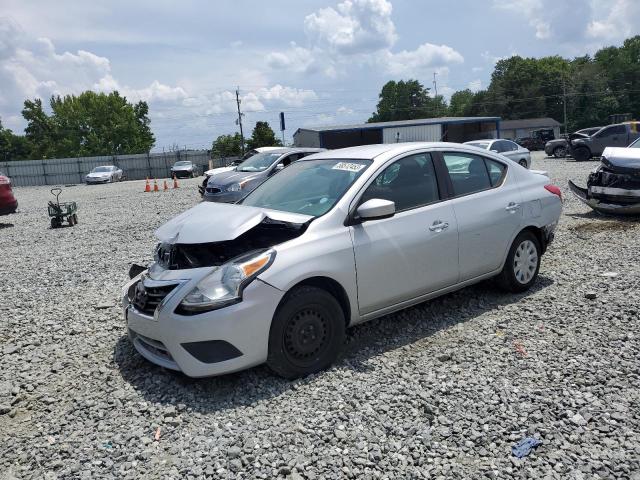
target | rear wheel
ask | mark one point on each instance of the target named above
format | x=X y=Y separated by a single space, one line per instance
x=581 y=154
x=55 y=222
x=75 y=218
x=523 y=263
x=307 y=333
x=560 y=152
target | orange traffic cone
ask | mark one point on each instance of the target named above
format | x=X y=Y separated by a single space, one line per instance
x=165 y=186
x=155 y=185
x=175 y=181
x=147 y=187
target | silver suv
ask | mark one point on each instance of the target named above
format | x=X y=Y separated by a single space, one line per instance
x=335 y=239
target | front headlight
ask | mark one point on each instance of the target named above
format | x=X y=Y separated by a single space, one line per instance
x=236 y=187
x=225 y=284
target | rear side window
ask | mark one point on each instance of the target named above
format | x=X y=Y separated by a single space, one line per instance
x=469 y=174
x=497 y=171
x=409 y=183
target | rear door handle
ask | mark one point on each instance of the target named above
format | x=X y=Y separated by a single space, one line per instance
x=438 y=226
x=512 y=207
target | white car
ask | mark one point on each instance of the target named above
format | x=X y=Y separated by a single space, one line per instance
x=335 y=239
x=507 y=148
x=104 y=174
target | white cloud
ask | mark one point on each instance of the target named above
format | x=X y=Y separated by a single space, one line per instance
x=618 y=19
x=344 y=111
x=355 y=26
x=475 y=85
x=358 y=33
x=426 y=56
x=574 y=22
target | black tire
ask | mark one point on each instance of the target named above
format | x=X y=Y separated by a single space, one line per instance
x=307 y=333
x=581 y=154
x=519 y=277
x=560 y=152
x=55 y=222
x=75 y=218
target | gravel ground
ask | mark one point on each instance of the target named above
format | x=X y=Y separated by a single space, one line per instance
x=441 y=390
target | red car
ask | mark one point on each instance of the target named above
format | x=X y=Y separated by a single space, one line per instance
x=8 y=203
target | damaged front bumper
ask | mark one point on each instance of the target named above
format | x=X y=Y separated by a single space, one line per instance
x=611 y=201
x=211 y=343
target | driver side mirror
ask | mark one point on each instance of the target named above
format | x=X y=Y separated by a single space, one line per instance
x=376 y=209
x=494 y=150
x=279 y=167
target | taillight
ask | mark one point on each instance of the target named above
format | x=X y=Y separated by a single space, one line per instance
x=4 y=180
x=553 y=189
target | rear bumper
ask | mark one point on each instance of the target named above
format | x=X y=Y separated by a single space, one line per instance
x=9 y=208
x=222 y=341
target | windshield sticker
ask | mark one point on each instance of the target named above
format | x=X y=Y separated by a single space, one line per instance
x=348 y=167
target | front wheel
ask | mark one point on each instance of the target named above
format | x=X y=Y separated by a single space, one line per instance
x=581 y=154
x=560 y=152
x=523 y=263
x=307 y=333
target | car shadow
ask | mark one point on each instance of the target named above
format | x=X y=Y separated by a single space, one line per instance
x=5 y=225
x=364 y=342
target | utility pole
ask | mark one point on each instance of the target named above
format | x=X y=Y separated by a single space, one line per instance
x=564 y=104
x=435 y=84
x=239 y=121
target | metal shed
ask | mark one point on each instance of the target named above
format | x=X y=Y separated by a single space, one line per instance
x=513 y=129
x=448 y=129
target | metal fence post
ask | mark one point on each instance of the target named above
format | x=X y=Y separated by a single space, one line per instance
x=44 y=173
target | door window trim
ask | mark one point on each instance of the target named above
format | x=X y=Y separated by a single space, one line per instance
x=443 y=189
x=440 y=154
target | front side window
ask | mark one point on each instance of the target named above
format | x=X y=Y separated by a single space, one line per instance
x=468 y=173
x=613 y=130
x=409 y=183
x=309 y=187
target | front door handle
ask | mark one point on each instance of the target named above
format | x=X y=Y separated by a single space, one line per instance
x=512 y=207
x=438 y=226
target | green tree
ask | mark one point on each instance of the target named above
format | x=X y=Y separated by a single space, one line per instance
x=88 y=124
x=460 y=102
x=13 y=147
x=407 y=100
x=227 y=146
x=263 y=136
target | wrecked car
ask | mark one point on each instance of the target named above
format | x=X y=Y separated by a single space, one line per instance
x=232 y=185
x=335 y=239
x=614 y=186
x=619 y=135
x=559 y=147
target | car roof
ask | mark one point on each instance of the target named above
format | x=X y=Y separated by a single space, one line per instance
x=382 y=152
x=293 y=150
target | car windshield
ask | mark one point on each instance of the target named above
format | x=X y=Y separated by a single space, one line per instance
x=182 y=164
x=309 y=187
x=483 y=145
x=259 y=162
x=101 y=169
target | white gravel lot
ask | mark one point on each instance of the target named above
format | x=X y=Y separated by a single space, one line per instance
x=441 y=390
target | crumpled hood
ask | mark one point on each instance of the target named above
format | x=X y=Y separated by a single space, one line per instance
x=623 y=160
x=215 y=171
x=233 y=176
x=219 y=222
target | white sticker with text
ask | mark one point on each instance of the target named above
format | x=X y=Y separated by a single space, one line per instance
x=349 y=167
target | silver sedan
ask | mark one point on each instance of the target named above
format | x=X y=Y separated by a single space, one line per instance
x=507 y=148
x=333 y=240
x=104 y=174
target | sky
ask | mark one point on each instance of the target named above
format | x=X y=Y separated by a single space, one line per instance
x=321 y=62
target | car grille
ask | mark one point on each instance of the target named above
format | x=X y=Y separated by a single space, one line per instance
x=213 y=190
x=147 y=299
